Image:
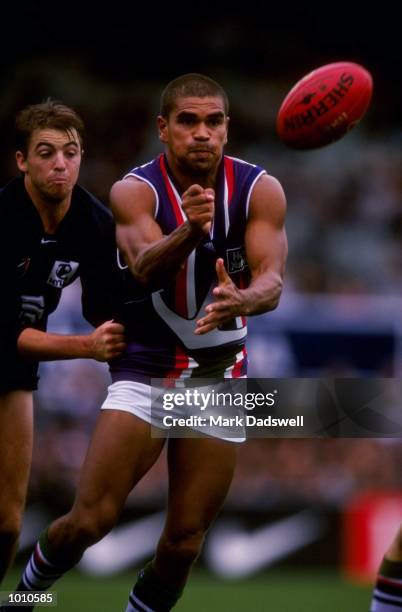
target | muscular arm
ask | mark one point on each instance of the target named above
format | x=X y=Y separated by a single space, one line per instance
x=266 y=252
x=152 y=258
x=103 y=344
x=266 y=246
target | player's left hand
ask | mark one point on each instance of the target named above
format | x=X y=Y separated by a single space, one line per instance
x=107 y=341
x=229 y=302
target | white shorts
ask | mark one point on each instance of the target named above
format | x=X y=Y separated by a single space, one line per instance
x=136 y=398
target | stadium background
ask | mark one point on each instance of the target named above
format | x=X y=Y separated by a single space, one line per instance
x=340 y=312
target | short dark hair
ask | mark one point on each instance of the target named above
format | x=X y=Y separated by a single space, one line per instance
x=188 y=85
x=49 y=114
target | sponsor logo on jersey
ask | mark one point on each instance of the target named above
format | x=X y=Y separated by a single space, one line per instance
x=62 y=273
x=235 y=260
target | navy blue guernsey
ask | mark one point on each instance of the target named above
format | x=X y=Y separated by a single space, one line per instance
x=160 y=326
x=39 y=265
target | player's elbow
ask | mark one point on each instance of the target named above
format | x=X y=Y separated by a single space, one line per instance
x=150 y=275
x=137 y=266
x=275 y=294
x=141 y=275
x=149 y=279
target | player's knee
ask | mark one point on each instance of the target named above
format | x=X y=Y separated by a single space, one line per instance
x=184 y=545
x=89 y=530
x=91 y=526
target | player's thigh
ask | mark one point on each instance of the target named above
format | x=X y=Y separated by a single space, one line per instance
x=16 y=436
x=200 y=472
x=121 y=451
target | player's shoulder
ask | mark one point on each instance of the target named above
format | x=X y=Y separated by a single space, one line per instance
x=264 y=183
x=150 y=170
x=268 y=183
x=243 y=165
x=130 y=189
x=268 y=197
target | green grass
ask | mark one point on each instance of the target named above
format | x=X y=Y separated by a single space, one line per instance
x=274 y=591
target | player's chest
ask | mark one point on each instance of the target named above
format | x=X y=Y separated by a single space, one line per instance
x=48 y=261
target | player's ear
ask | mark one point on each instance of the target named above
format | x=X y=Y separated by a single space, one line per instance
x=21 y=163
x=162 y=128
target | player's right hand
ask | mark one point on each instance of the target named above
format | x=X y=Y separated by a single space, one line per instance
x=199 y=205
x=107 y=341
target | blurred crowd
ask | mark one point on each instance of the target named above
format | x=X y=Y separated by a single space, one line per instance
x=270 y=473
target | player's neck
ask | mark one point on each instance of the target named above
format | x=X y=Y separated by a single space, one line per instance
x=51 y=211
x=185 y=178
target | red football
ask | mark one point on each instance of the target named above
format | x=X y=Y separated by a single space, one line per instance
x=324 y=105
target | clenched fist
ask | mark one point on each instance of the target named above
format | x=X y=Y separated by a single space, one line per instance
x=107 y=341
x=199 y=205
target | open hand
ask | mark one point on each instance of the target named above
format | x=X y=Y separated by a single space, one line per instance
x=229 y=302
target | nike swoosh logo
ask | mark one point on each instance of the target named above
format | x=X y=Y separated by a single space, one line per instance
x=124 y=546
x=45 y=241
x=233 y=552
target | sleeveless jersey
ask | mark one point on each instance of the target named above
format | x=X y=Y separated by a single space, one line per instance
x=160 y=326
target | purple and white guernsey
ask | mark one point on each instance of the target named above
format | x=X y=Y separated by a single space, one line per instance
x=160 y=326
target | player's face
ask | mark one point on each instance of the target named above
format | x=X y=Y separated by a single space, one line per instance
x=195 y=133
x=52 y=163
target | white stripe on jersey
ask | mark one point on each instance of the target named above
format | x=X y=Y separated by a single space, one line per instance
x=226 y=205
x=184 y=328
x=241 y=161
x=228 y=373
x=251 y=189
x=121 y=266
x=178 y=198
x=187 y=373
x=141 y=178
x=239 y=322
x=190 y=274
x=190 y=286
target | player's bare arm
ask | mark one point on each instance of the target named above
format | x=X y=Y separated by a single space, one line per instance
x=152 y=257
x=103 y=344
x=266 y=252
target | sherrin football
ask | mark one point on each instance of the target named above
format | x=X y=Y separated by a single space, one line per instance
x=324 y=105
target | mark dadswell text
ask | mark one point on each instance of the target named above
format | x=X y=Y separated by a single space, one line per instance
x=218 y=420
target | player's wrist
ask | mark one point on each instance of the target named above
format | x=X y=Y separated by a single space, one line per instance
x=196 y=230
x=246 y=303
x=88 y=346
